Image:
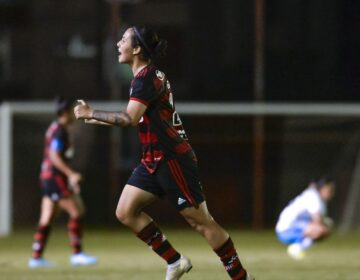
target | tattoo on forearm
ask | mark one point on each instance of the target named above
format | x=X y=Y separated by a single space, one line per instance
x=114 y=118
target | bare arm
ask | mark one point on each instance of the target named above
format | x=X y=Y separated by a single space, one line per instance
x=131 y=117
x=112 y=118
x=88 y=121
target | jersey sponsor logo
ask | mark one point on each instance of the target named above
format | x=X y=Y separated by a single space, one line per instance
x=181 y=201
x=160 y=75
x=182 y=134
x=230 y=265
x=156 y=234
x=131 y=91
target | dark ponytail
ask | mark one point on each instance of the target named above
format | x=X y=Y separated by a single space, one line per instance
x=160 y=48
x=152 y=46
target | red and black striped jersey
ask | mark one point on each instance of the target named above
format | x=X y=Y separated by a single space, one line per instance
x=56 y=138
x=161 y=132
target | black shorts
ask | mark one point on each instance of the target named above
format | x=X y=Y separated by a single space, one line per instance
x=177 y=179
x=55 y=187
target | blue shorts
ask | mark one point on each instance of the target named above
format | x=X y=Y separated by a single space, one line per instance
x=176 y=179
x=294 y=234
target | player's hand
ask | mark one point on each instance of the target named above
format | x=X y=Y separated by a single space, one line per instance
x=76 y=189
x=74 y=181
x=83 y=110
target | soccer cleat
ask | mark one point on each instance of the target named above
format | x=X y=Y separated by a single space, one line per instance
x=82 y=259
x=249 y=276
x=296 y=252
x=176 y=270
x=40 y=263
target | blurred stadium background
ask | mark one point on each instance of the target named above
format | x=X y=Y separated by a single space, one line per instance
x=268 y=93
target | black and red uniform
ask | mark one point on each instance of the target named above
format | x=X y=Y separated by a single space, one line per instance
x=168 y=164
x=53 y=182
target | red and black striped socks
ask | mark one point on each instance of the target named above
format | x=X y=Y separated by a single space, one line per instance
x=157 y=241
x=230 y=260
x=43 y=232
x=40 y=238
x=75 y=234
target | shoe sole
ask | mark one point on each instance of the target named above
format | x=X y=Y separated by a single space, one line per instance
x=186 y=270
x=41 y=266
x=81 y=264
x=189 y=268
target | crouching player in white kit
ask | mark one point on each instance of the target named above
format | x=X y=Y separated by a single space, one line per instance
x=304 y=221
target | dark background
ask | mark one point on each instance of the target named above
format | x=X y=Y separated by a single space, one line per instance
x=312 y=48
x=311 y=55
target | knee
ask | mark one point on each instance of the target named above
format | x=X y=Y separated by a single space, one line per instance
x=76 y=214
x=201 y=228
x=322 y=233
x=122 y=215
x=44 y=224
x=81 y=213
x=200 y=225
x=193 y=223
x=45 y=221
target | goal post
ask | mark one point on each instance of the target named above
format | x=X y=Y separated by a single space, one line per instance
x=5 y=169
x=7 y=111
x=10 y=110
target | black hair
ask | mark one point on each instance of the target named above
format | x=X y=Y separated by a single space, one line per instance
x=322 y=181
x=152 y=45
x=62 y=104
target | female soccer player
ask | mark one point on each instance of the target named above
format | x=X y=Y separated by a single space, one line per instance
x=168 y=166
x=304 y=221
x=61 y=187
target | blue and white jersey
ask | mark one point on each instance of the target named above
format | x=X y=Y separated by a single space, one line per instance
x=301 y=209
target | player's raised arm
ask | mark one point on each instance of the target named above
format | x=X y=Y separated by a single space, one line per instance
x=131 y=117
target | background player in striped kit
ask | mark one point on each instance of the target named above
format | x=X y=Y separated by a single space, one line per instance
x=168 y=165
x=61 y=188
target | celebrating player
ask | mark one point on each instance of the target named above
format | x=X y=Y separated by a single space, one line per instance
x=304 y=220
x=168 y=166
x=61 y=188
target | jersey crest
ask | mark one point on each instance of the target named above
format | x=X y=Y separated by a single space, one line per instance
x=160 y=75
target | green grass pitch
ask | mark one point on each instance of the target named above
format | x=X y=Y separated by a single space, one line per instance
x=122 y=256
